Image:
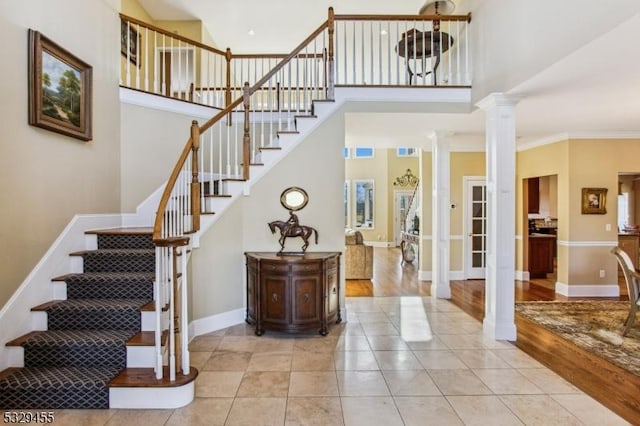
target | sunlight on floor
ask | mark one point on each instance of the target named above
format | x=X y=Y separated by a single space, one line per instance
x=414 y=325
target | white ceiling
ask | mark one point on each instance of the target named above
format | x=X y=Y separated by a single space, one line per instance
x=594 y=90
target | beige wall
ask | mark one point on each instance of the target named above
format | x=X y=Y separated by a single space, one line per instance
x=45 y=177
x=462 y=164
x=145 y=130
x=426 y=228
x=583 y=239
x=396 y=167
x=218 y=267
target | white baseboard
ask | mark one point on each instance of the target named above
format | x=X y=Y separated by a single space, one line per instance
x=216 y=322
x=152 y=397
x=456 y=275
x=595 y=290
x=522 y=275
x=424 y=275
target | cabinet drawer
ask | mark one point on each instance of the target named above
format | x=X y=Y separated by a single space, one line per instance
x=274 y=267
x=305 y=267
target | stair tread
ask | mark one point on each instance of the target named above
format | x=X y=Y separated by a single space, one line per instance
x=286 y=132
x=122 y=231
x=76 y=337
x=146 y=377
x=305 y=116
x=92 y=304
x=108 y=276
x=50 y=377
x=112 y=251
x=146 y=338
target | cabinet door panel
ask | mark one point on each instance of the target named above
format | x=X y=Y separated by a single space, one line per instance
x=252 y=286
x=332 y=288
x=274 y=299
x=306 y=298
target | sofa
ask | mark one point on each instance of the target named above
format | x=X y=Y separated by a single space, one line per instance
x=358 y=257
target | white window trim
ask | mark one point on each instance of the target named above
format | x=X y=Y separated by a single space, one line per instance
x=413 y=154
x=347 y=186
x=354 y=209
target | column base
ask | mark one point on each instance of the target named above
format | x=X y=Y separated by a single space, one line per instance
x=499 y=331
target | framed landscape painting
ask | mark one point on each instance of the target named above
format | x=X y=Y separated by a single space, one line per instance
x=59 y=89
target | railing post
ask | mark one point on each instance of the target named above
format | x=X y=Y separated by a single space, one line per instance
x=227 y=93
x=246 y=139
x=331 y=25
x=195 y=178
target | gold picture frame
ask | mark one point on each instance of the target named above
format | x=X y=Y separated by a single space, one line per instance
x=594 y=200
x=60 y=89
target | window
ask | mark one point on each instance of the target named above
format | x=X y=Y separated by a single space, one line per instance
x=365 y=205
x=407 y=152
x=346 y=151
x=363 y=152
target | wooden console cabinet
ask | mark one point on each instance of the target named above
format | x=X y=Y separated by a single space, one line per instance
x=293 y=293
x=541 y=254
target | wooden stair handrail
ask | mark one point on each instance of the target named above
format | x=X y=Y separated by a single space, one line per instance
x=466 y=18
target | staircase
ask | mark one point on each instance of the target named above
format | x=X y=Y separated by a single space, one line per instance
x=97 y=342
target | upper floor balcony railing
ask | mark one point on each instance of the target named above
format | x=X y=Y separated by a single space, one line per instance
x=369 y=50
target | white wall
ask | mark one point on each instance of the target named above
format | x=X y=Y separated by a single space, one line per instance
x=46 y=178
x=514 y=40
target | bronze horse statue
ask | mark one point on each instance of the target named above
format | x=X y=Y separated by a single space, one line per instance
x=291 y=230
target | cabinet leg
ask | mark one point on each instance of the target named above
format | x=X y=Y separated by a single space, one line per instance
x=324 y=331
x=259 y=332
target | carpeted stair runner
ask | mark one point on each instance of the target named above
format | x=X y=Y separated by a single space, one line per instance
x=71 y=364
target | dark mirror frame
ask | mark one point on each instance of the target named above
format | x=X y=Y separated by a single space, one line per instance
x=291 y=207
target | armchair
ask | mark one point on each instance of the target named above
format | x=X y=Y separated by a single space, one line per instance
x=358 y=257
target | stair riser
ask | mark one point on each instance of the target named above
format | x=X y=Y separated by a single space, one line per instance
x=163 y=398
x=108 y=262
x=61 y=356
x=109 y=241
x=141 y=356
x=132 y=290
x=94 y=320
x=55 y=398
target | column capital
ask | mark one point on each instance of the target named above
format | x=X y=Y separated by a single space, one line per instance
x=497 y=100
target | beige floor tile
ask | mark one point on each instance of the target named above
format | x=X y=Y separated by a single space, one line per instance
x=436 y=360
x=355 y=360
x=387 y=343
x=353 y=329
x=517 y=358
x=410 y=383
x=480 y=358
x=199 y=359
x=313 y=383
x=316 y=344
x=588 y=410
x=422 y=410
x=539 y=410
x=483 y=411
x=397 y=360
x=353 y=343
x=506 y=381
x=270 y=361
x=311 y=361
x=372 y=317
x=279 y=343
x=257 y=411
x=81 y=417
x=202 y=411
x=242 y=329
x=370 y=411
x=219 y=384
x=548 y=381
x=458 y=382
x=205 y=343
x=379 y=329
x=237 y=343
x=227 y=361
x=431 y=343
x=462 y=341
x=362 y=383
x=139 y=417
x=264 y=384
x=314 y=412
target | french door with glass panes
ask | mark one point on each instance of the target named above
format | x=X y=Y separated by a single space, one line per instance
x=475 y=243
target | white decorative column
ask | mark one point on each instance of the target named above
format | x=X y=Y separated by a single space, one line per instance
x=500 y=131
x=441 y=230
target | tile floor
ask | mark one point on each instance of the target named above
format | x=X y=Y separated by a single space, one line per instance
x=396 y=361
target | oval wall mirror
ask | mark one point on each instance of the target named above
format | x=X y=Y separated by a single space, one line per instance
x=294 y=198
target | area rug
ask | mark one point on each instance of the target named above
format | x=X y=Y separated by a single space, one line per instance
x=595 y=326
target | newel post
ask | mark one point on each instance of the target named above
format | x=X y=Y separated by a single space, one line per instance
x=195 y=184
x=246 y=139
x=331 y=65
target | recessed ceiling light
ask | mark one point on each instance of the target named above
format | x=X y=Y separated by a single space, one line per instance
x=251 y=33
